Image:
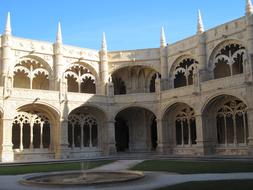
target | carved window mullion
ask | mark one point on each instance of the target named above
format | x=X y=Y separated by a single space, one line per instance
x=244 y=128
x=234 y=127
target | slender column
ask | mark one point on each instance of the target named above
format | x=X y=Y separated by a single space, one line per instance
x=234 y=128
x=186 y=75
x=226 y=133
x=31 y=135
x=79 y=85
x=73 y=136
x=82 y=127
x=21 y=137
x=244 y=129
x=182 y=132
x=41 y=135
x=31 y=77
x=189 y=132
x=90 y=128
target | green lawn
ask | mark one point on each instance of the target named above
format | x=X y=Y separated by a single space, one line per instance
x=192 y=167
x=213 y=185
x=34 y=168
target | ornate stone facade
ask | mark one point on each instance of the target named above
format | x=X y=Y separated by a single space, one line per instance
x=193 y=97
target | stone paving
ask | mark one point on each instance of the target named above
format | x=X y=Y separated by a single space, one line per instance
x=152 y=180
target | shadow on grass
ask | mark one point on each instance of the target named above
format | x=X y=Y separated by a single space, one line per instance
x=213 y=185
x=36 y=168
x=195 y=167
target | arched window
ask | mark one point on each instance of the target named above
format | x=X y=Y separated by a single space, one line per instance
x=232 y=127
x=80 y=79
x=183 y=73
x=229 y=61
x=185 y=127
x=30 y=130
x=30 y=73
x=82 y=131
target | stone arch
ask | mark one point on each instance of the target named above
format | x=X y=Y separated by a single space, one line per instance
x=132 y=79
x=135 y=129
x=34 y=129
x=167 y=106
x=225 y=123
x=227 y=58
x=81 y=77
x=87 y=129
x=86 y=65
x=179 y=123
x=182 y=71
x=213 y=96
x=32 y=72
x=142 y=106
x=138 y=64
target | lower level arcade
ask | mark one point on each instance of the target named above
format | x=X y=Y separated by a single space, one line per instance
x=38 y=132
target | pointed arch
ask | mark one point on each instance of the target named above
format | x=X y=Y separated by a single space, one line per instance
x=80 y=78
x=179 y=120
x=227 y=59
x=33 y=128
x=32 y=72
x=226 y=122
x=181 y=72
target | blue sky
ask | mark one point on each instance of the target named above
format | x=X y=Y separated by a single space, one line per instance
x=128 y=24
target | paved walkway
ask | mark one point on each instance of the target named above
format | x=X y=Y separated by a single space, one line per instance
x=152 y=180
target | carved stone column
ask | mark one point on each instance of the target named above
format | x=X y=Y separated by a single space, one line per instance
x=6 y=150
x=203 y=147
x=250 y=130
x=162 y=144
x=62 y=150
x=111 y=144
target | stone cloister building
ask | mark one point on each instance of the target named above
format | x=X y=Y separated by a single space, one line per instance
x=193 y=97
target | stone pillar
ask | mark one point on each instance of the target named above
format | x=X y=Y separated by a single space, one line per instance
x=62 y=150
x=248 y=63
x=250 y=130
x=164 y=67
x=201 y=54
x=162 y=144
x=111 y=144
x=7 y=154
x=203 y=147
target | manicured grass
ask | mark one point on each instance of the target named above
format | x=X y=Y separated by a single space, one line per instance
x=34 y=168
x=192 y=167
x=213 y=185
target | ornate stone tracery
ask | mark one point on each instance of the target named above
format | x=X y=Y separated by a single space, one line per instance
x=82 y=131
x=232 y=124
x=183 y=74
x=185 y=127
x=80 y=79
x=229 y=60
x=30 y=130
x=30 y=73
